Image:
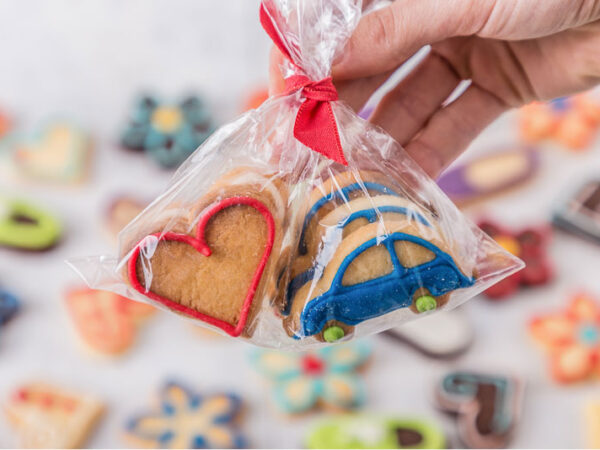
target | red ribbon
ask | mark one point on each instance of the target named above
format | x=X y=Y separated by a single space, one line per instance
x=315 y=124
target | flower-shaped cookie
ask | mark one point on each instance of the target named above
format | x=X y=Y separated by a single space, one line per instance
x=570 y=121
x=529 y=245
x=185 y=419
x=572 y=339
x=326 y=377
x=169 y=133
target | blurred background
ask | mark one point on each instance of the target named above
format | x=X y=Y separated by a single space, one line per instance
x=84 y=63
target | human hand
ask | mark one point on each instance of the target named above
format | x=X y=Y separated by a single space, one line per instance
x=513 y=51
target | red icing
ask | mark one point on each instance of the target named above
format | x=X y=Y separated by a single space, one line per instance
x=312 y=365
x=22 y=395
x=198 y=242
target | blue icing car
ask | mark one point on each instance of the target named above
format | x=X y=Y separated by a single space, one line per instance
x=373 y=273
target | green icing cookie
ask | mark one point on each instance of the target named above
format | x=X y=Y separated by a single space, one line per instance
x=26 y=227
x=364 y=431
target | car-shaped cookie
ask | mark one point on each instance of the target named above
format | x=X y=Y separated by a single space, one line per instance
x=379 y=268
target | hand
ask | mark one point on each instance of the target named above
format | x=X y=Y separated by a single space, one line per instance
x=513 y=51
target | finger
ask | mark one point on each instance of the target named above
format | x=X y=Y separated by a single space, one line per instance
x=388 y=36
x=357 y=92
x=452 y=128
x=406 y=109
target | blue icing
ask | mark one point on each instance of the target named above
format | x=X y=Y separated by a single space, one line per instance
x=340 y=194
x=589 y=334
x=293 y=287
x=561 y=103
x=166 y=437
x=466 y=385
x=9 y=306
x=373 y=298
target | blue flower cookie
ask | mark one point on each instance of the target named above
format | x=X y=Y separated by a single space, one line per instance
x=184 y=419
x=324 y=378
x=168 y=133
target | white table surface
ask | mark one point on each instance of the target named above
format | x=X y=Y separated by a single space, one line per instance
x=86 y=59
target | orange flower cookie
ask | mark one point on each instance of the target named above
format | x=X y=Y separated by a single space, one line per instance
x=45 y=416
x=106 y=322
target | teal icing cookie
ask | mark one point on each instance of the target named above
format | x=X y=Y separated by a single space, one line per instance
x=26 y=227
x=372 y=431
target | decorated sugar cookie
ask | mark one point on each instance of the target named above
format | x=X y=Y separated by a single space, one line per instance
x=592 y=419
x=121 y=211
x=573 y=122
x=185 y=419
x=5 y=124
x=529 y=245
x=167 y=132
x=446 y=334
x=231 y=234
x=23 y=226
x=58 y=152
x=360 y=431
x=489 y=175
x=9 y=306
x=579 y=213
x=571 y=338
x=45 y=416
x=487 y=407
x=326 y=378
x=106 y=322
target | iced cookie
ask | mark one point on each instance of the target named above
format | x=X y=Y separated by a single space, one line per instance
x=184 y=419
x=529 y=245
x=59 y=152
x=592 y=419
x=5 y=124
x=326 y=378
x=45 y=416
x=360 y=431
x=446 y=334
x=9 y=306
x=106 y=322
x=121 y=211
x=579 y=213
x=221 y=270
x=375 y=270
x=167 y=132
x=487 y=407
x=489 y=175
x=571 y=338
x=24 y=226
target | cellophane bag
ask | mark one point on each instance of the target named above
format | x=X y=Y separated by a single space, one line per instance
x=300 y=224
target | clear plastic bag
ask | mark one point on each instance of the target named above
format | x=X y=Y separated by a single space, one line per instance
x=262 y=238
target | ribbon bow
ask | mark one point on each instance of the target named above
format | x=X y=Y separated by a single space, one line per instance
x=315 y=124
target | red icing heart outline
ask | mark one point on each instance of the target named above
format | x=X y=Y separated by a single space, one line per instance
x=199 y=243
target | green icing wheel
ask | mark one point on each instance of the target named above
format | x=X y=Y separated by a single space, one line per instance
x=26 y=227
x=365 y=431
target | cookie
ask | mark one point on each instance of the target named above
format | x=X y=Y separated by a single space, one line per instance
x=528 y=244
x=217 y=267
x=377 y=269
x=489 y=175
x=59 y=152
x=106 y=322
x=167 y=132
x=24 y=226
x=592 y=419
x=446 y=334
x=120 y=212
x=361 y=431
x=45 y=416
x=185 y=419
x=9 y=306
x=325 y=378
x=573 y=122
x=579 y=213
x=487 y=407
x=571 y=338
x=5 y=124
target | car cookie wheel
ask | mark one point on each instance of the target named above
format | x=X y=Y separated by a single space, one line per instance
x=335 y=331
x=423 y=301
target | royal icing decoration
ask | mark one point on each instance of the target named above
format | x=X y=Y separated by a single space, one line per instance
x=168 y=133
x=530 y=245
x=571 y=338
x=573 y=122
x=199 y=244
x=487 y=407
x=184 y=419
x=45 y=416
x=107 y=322
x=305 y=381
x=360 y=431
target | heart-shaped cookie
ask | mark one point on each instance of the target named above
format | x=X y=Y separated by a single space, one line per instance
x=212 y=276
